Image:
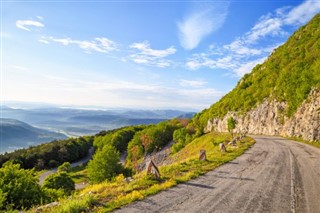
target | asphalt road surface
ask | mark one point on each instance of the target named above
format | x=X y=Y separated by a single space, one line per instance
x=275 y=175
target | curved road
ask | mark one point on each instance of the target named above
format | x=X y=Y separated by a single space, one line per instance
x=275 y=175
x=43 y=176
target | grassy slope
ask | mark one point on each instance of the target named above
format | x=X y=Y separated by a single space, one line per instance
x=287 y=75
x=107 y=196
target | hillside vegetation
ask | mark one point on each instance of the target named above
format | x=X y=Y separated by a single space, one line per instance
x=109 y=195
x=49 y=155
x=288 y=75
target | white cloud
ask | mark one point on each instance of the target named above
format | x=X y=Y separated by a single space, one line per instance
x=267 y=25
x=18 y=67
x=130 y=94
x=103 y=45
x=272 y=24
x=40 y=18
x=247 y=66
x=28 y=24
x=43 y=41
x=245 y=52
x=145 y=49
x=192 y=83
x=204 y=60
x=200 y=24
x=303 y=12
x=144 y=54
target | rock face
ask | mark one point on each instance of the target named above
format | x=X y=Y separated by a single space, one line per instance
x=269 y=119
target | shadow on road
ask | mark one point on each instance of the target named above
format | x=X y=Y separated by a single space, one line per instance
x=198 y=185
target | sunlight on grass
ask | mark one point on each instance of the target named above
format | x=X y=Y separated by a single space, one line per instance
x=314 y=143
x=110 y=195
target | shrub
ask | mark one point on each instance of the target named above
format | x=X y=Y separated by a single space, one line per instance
x=60 y=180
x=104 y=165
x=19 y=188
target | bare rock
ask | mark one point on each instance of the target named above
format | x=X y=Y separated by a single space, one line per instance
x=269 y=118
x=222 y=147
x=202 y=155
x=153 y=169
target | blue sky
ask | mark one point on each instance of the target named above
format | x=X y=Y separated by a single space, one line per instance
x=138 y=54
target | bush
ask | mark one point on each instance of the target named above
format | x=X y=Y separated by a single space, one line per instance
x=60 y=180
x=104 y=165
x=181 y=137
x=19 y=188
x=65 y=167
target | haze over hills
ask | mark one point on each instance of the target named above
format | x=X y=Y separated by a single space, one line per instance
x=15 y=134
x=78 y=122
x=280 y=96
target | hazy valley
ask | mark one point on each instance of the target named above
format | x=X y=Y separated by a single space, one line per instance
x=24 y=127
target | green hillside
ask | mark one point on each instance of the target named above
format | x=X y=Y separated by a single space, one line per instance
x=289 y=74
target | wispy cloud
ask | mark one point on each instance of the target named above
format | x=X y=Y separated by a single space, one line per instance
x=192 y=83
x=273 y=24
x=302 y=13
x=102 y=45
x=200 y=23
x=18 y=67
x=144 y=54
x=28 y=24
x=241 y=55
x=247 y=66
x=132 y=94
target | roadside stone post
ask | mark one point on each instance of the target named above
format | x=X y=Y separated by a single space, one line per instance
x=202 y=155
x=222 y=147
x=153 y=169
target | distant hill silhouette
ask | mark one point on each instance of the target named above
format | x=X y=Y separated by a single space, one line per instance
x=16 y=134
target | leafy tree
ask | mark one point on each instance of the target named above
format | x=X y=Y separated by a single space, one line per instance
x=19 y=188
x=231 y=125
x=104 y=165
x=65 y=167
x=60 y=180
x=181 y=137
x=2 y=199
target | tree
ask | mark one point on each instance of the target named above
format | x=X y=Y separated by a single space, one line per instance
x=60 y=180
x=19 y=188
x=104 y=165
x=2 y=199
x=65 y=167
x=231 y=125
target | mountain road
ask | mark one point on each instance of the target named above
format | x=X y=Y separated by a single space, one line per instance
x=274 y=175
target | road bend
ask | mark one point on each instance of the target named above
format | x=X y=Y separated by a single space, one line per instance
x=274 y=175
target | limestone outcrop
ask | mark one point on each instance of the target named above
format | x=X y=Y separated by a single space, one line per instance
x=269 y=119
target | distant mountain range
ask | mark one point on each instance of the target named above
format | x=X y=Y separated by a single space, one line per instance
x=78 y=122
x=15 y=134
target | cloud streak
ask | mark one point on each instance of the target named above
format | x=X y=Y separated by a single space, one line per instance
x=200 y=23
x=28 y=24
x=102 y=44
x=133 y=94
x=241 y=55
x=144 y=54
x=192 y=83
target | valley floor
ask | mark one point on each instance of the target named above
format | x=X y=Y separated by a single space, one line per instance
x=275 y=175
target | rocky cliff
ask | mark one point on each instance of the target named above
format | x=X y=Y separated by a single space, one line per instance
x=269 y=119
